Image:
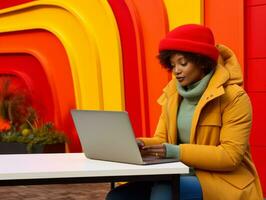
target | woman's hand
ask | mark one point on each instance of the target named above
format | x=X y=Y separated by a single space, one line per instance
x=140 y=143
x=157 y=150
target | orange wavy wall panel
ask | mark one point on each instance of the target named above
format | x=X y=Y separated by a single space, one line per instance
x=226 y=19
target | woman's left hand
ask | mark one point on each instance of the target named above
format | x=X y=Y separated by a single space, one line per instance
x=157 y=150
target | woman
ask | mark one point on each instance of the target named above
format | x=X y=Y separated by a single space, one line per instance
x=205 y=122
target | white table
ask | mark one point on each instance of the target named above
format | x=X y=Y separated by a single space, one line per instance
x=29 y=169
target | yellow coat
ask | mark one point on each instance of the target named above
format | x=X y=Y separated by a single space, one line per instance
x=219 y=142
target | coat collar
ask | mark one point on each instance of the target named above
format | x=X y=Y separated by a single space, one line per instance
x=214 y=89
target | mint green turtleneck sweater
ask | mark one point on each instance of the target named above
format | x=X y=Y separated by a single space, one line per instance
x=191 y=95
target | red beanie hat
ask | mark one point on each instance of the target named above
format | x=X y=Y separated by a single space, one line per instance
x=191 y=38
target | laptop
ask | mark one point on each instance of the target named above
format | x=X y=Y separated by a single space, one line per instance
x=108 y=135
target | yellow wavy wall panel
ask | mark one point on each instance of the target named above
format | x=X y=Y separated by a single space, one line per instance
x=184 y=12
x=91 y=42
x=98 y=19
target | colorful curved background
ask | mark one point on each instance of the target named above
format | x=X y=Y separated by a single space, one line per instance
x=101 y=55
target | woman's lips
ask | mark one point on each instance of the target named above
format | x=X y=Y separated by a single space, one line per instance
x=180 y=79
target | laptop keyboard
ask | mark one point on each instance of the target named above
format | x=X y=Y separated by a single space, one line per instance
x=157 y=160
x=149 y=158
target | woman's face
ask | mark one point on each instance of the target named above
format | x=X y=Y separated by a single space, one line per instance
x=185 y=71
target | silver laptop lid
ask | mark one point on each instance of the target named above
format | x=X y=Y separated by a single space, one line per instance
x=106 y=135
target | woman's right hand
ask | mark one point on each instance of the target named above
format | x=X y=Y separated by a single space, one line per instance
x=140 y=144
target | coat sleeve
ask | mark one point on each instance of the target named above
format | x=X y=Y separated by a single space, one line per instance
x=160 y=135
x=234 y=138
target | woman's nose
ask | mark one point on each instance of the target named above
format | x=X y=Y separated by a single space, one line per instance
x=176 y=70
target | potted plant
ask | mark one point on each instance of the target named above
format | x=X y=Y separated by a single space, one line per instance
x=20 y=127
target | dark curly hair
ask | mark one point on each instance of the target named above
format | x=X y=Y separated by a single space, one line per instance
x=207 y=63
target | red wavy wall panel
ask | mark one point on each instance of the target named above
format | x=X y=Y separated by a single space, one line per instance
x=153 y=31
x=152 y=77
x=9 y=3
x=29 y=75
x=48 y=50
x=133 y=83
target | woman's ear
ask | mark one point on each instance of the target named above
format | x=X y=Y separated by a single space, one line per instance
x=205 y=69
